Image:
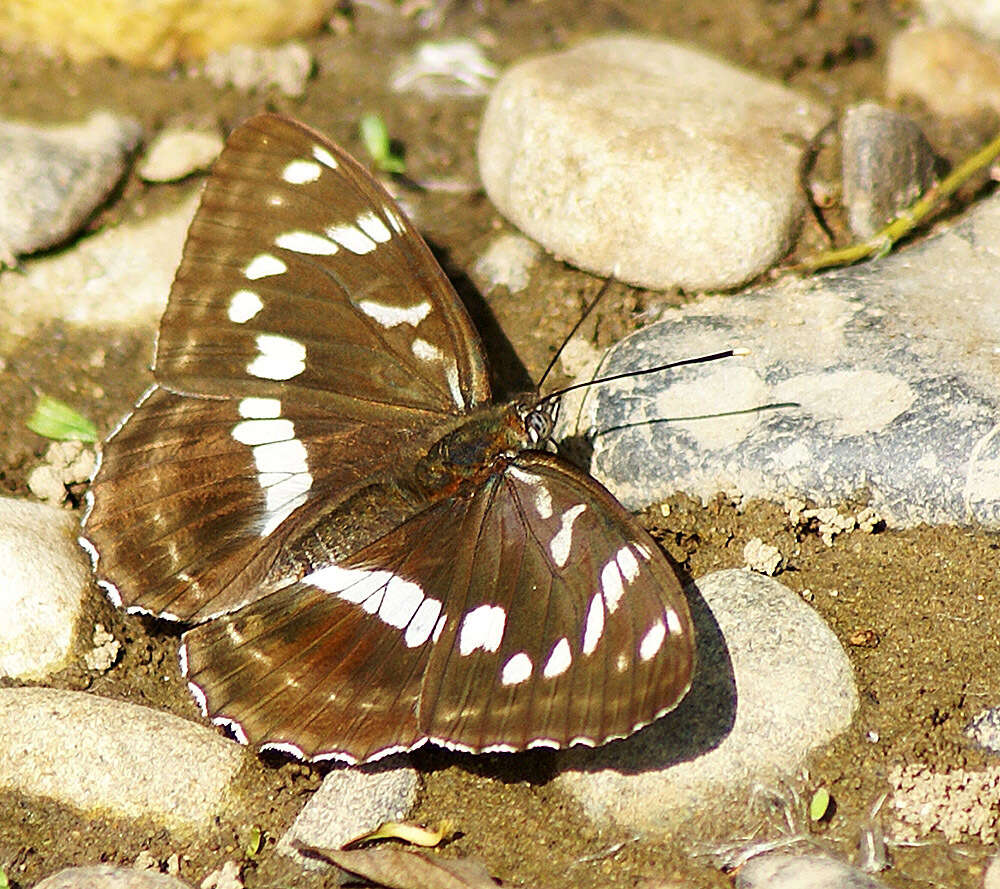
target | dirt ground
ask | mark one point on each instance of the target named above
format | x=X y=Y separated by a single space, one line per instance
x=912 y=608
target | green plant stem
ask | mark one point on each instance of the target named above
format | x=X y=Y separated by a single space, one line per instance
x=883 y=240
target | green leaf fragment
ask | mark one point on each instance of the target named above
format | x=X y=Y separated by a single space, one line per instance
x=819 y=805
x=375 y=136
x=57 y=420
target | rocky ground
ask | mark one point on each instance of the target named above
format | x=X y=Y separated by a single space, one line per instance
x=831 y=493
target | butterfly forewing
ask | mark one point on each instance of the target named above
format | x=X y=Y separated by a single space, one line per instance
x=370 y=553
x=317 y=380
x=302 y=277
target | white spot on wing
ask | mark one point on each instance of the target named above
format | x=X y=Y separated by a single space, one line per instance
x=673 y=622
x=627 y=564
x=259 y=408
x=423 y=623
x=594 y=627
x=280 y=358
x=350 y=237
x=280 y=458
x=393 y=316
x=451 y=374
x=438 y=627
x=611 y=586
x=482 y=628
x=374 y=227
x=284 y=477
x=517 y=669
x=299 y=172
x=244 y=305
x=527 y=478
x=306 y=242
x=642 y=550
x=353 y=584
x=652 y=641
x=395 y=601
x=395 y=220
x=264 y=265
x=543 y=502
x=559 y=660
x=258 y=432
x=324 y=157
x=426 y=351
x=401 y=601
x=562 y=540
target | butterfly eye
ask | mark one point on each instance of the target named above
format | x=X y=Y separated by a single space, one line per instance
x=538 y=424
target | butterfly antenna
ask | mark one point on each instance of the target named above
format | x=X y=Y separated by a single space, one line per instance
x=590 y=307
x=701 y=359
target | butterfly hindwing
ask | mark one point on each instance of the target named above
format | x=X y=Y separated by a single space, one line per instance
x=533 y=612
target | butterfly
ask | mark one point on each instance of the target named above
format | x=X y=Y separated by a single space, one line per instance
x=369 y=553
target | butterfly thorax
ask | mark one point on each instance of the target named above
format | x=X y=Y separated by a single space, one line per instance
x=477 y=449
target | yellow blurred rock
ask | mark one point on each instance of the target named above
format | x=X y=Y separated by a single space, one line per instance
x=154 y=33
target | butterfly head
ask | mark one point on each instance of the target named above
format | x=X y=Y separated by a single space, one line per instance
x=538 y=417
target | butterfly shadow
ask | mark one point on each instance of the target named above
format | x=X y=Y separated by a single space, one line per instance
x=702 y=720
x=508 y=375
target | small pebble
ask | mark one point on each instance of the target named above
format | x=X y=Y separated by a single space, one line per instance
x=44 y=581
x=507 y=262
x=977 y=16
x=785 y=870
x=762 y=557
x=887 y=163
x=105 y=876
x=177 y=153
x=103 y=656
x=66 y=463
x=648 y=160
x=286 y=68
x=53 y=178
x=951 y=71
x=229 y=876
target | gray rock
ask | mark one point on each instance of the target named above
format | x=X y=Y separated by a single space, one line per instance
x=44 y=578
x=114 y=758
x=120 y=276
x=772 y=683
x=892 y=365
x=351 y=802
x=648 y=160
x=176 y=153
x=886 y=162
x=981 y=16
x=786 y=870
x=52 y=178
x=106 y=876
x=952 y=72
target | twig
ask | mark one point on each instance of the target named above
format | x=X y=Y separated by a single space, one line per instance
x=882 y=241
